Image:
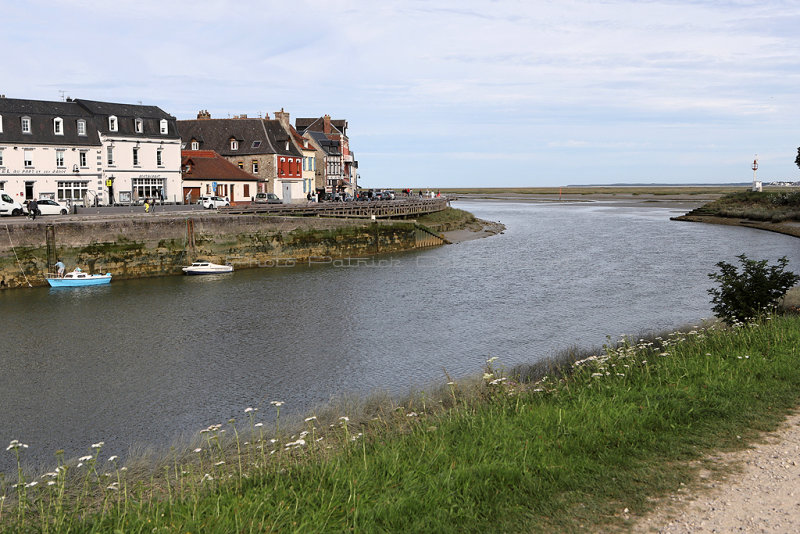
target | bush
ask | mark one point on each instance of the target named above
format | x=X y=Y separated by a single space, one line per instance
x=741 y=296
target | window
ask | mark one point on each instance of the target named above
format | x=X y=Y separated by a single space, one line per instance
x=72 y=190
x=255 y=167
x=26 y=125
x=136 y=155
x=164 y=127
x=148 y=187
x=246 y=190
x=112 y=123
x=28 y=157
x=1 y=157
x=82 y=158
x=138 y=125
x=195 y=145
x=81 y=127
x=58 y=126
x=1 y=124
x=256 y=144
x=234 y=144
x=59 y=158
x=240 y=164
x=159 y=157
x=110 y=154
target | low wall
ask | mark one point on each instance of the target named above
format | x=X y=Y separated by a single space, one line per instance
x=141 y=246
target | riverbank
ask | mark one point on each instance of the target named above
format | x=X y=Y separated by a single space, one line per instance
x=774 y=211
x=141 y=246
x=596 y=444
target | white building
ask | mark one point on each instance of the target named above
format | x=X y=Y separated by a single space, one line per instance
x=85 y=152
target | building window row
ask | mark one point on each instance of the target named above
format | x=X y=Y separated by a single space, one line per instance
x=72 y=190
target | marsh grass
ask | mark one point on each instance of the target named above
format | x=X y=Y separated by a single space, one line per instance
x=585 y=441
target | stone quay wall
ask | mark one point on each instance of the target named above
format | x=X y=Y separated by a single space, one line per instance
x=139 y=246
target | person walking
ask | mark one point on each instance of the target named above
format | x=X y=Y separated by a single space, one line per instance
x=33 y=209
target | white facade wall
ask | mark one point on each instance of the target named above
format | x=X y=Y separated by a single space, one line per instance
x=51 y=171
x=134 y=180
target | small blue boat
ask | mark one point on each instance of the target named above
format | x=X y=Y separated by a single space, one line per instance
x=78 y=278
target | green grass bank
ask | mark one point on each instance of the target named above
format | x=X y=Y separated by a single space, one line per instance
x=585 y=442
x=775 y=210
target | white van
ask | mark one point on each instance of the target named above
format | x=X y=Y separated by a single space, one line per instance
x=9 y=206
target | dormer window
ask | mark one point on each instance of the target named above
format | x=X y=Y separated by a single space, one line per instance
x=234 y=144
x=81 y=127
x=1 y=124
x=195 y=145
x=58 y=126
x=26 y=125
x=112 y=123
x=164 y=127
x=138 y=125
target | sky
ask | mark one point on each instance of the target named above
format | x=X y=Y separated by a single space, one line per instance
x=450 y=93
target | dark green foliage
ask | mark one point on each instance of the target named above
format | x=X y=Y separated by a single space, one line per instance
x=797 y=159
x=746 y=294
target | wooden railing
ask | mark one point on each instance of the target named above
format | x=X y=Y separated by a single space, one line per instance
x=380 y=209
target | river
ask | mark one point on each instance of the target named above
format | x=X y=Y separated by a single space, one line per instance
x=142 y=362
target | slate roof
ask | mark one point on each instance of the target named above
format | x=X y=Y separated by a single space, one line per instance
x=330 y=146
x=215 y=134
x=42 y=113
x=208 y=165
x=126 y=114
x=279 y=138
x=317 y=124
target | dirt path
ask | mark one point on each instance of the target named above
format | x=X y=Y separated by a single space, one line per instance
x=764 y=497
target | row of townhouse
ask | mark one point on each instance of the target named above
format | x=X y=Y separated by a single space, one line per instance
x=104 y=153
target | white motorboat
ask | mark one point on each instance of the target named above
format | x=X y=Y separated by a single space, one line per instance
x=206 y=267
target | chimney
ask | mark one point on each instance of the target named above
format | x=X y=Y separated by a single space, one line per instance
x=203 y=115
x=283 y=117
x=326 y=128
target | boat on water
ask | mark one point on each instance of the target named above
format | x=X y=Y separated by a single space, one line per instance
x=206 y=267
x=78 y=278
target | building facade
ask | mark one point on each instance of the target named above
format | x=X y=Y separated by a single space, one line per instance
x=261 y=147
x=207 y=173
x=80 y=152
x=330 y=136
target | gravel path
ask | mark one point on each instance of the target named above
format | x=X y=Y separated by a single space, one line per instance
x=763 y=498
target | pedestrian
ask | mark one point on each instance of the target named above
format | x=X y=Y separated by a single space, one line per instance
x=33 y=208
x=147 y=205
x=60 y=268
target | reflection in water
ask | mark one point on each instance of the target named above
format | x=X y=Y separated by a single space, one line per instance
x=143 y=361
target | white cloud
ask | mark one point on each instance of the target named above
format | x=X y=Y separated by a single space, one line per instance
x=536 y=78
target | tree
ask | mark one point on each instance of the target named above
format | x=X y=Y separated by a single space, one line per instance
x=797 y=159
x=741 y=296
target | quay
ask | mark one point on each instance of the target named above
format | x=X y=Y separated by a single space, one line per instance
x=380 y=209
x=133 y=244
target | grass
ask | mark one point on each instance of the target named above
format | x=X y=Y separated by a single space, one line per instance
x=767 y=206
x=448 y=219
x=566 y=445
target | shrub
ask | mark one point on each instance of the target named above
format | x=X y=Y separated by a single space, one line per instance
x=746 y=294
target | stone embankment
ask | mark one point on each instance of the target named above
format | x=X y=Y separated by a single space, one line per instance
x=137 y=246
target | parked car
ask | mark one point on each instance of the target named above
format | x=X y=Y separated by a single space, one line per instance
x=49 y=207
x=267 y=198
x=214 y=202
x=9 y=206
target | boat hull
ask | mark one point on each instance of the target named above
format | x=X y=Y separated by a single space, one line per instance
x=90 y=280
x=207 y=268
